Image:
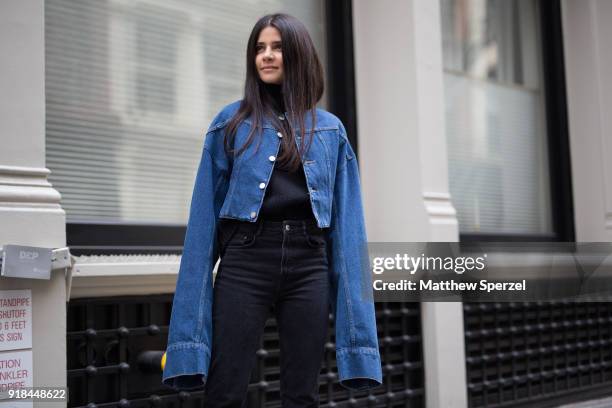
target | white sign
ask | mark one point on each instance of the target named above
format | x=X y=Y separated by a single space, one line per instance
x=15 y=319
x=15 y=369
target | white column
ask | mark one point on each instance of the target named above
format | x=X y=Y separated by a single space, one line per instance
x=402 y=145
x=30 y=211
x=588 y=69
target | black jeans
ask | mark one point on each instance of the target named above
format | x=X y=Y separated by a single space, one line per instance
x=278 y=267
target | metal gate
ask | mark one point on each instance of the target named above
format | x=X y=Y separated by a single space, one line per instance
x=545 y=352
x=111 y=344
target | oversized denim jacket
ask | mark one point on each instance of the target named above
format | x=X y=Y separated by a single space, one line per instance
x=228 y=187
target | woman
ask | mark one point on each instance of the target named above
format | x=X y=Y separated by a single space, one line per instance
x=283 y=209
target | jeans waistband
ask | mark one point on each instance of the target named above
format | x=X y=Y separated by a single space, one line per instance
x=290 y=226
x=307 y=225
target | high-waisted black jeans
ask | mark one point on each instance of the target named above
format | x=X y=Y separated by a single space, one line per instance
x=269 y=267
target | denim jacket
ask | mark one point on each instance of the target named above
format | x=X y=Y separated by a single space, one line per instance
x=228 y=187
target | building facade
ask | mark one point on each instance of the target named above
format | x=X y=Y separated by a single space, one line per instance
x=472 y=120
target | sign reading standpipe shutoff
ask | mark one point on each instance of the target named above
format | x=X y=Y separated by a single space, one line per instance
x=15 y=319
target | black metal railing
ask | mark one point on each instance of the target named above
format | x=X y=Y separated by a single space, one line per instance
x=549 y=352
x=115 y=345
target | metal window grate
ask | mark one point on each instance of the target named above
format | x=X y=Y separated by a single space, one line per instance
x=106 y=336
x=537 y=351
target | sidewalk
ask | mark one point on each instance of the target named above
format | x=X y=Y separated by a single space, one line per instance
x=597 y=403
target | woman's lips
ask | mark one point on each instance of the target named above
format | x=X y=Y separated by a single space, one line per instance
x=269 y=69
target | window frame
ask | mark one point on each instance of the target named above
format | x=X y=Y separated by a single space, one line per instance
x=559 y=163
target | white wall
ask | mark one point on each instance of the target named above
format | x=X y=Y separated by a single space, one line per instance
x=402 y=145
x=588 y=65
x=30 y=213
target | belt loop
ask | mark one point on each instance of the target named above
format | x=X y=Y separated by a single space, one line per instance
x=260 y=224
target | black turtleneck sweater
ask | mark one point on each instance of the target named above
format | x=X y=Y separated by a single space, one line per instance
x=286 y=195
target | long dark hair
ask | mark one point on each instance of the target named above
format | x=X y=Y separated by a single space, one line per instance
x=301 y=89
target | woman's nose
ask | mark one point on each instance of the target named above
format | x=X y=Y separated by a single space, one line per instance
x=268 y=54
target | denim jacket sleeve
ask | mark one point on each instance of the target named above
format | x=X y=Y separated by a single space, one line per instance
x=357 y=352
x=189 y=338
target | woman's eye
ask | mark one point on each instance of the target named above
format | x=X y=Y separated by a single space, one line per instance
x=274 y=47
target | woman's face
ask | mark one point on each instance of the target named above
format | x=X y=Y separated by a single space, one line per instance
x=269 y=56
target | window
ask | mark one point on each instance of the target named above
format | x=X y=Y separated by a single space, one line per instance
x=495 y=117
x=156 y=59
x=131 y=87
